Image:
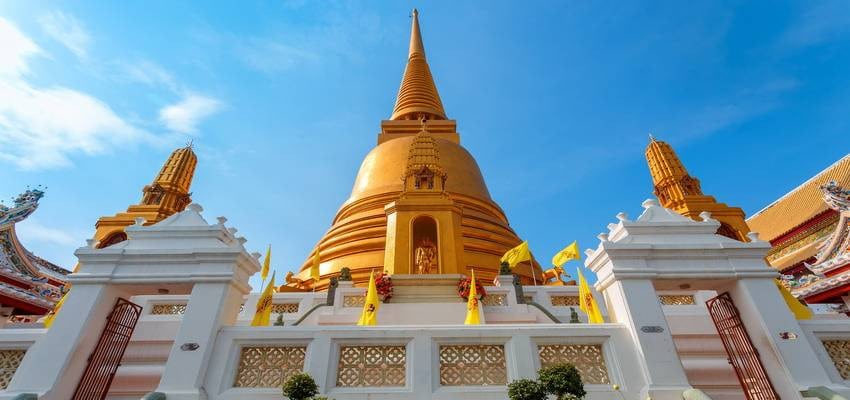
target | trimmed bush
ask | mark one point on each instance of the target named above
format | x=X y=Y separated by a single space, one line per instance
x=562 y=380
x=526 y=389
x=300 y=387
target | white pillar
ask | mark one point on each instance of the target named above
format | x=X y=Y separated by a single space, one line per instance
x=522 y=351
x=765 y=315
x=55 y=363
x=211 y=306
x=634 y=303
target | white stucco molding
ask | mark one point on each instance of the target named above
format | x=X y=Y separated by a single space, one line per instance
x=661 y=244
x=182 y=249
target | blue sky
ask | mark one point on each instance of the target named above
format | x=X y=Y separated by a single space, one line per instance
x=283 y=100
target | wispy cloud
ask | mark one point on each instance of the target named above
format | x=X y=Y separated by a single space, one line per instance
x=66 y=29
x=270 y=56
x=149 y=73
x=185 y=115
x=33 y=230
x=823 y=21
x=43 y=127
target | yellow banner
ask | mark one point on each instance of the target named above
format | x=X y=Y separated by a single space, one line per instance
x=568 y=253
x=263 y=314
x=472 y=316
x=369 y=316
x=587 y=302
x=517 y=254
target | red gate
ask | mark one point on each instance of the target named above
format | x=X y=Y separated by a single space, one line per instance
x=104 y=360
x=742 y=354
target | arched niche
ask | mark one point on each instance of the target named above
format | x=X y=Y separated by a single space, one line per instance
x=114 y=238
x=425 y=250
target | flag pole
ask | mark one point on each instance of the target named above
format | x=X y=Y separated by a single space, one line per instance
x=531 y=262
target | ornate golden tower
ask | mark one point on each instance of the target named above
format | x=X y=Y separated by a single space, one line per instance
x=419 y=203
x=166 y=195
x=679 y=191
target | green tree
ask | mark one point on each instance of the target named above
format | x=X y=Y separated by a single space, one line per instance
x=526 y=389
x=300 y=387
x=562 y=380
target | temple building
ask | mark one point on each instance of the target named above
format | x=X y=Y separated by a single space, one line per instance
x=807 y=228
x=684 y=307
x=166 y=195
x=29 y=285
x=419 y=202
x=681 y=192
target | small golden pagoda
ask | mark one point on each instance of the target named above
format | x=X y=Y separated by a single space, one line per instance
x=419 y=202
x=166 y=195
x=679 y=191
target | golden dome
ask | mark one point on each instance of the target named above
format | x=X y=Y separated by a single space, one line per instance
x=379 y=226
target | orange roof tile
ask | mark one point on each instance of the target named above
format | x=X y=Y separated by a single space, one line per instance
x=800 y=204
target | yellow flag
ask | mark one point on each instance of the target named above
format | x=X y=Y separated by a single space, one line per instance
x=52 y=315
x=568 y=253
x=263 y=314
x=797 y=308
x=472 y=316
x=586 y=301
x=314 y=269
x=264 y=273
x=517 y=254
x=369 y=316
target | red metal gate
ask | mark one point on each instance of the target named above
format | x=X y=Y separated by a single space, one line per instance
x=106 y=356
x=742 y=354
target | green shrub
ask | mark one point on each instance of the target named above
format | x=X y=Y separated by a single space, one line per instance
x=300 y=387
x=526 y=389
x=562 y=380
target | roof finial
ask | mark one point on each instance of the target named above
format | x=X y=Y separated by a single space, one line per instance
x=416 y=45
x=651 y=138
x=189 y=143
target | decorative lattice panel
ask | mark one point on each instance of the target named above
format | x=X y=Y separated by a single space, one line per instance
x=169 y=309
x=353 y=301
x=285 y=308
x=472 y=365
x=839 y=352
x=676 y=300
x=369 y=366
x=269 y=366
x=528 y=299
x=564 y=300
x=9 y=362
x=495 y=300
x=587 y=358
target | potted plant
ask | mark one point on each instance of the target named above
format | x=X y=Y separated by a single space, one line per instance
x=526 y=389
x=463 y=289
x=563 y=381
x=384 y=285
x=300 y=387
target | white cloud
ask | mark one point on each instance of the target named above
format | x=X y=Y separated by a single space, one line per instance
x=185 y=115
x=16 y=49
x=43 y=127
x=149 y=73
x=271 y=56
x=35 y=231
x=66 y=29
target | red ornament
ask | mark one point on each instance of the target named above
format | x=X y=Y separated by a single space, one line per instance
x=384 y=286
x=463 y=289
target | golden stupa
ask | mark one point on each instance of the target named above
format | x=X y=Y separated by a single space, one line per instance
x=419 y=203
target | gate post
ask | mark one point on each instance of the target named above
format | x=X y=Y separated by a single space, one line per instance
x=211 y=306
x=792 y=364
x=54 y=364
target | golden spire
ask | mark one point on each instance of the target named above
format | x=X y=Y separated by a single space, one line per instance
x=166 y=195
x=680 y=192
x=669 y=175
x=417 y=96
x=423 y=169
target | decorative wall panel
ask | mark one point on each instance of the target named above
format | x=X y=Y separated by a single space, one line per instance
x=564 y=300
x=495 y=300
x=353 y=301
x=268 y=366
x=676 y=299
x=473 y=365
x=169 y=309
x=839 y=352
x=285 y=308
x=588 y=359
x=371 y=366
x=9 y=362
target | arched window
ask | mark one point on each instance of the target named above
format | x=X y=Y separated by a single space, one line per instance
x=426 y=255
x=116 y=237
